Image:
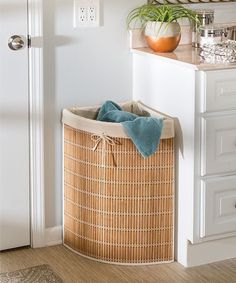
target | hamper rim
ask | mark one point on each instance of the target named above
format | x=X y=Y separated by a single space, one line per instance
x=106 y=124
x=110 y=128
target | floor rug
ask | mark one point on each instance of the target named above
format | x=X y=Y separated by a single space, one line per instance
x=36 y=274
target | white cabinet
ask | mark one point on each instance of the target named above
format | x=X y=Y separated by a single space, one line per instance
x=218 y=145
x=218 y=211
x=202 y=100
x=220 y=90
x=218 y=154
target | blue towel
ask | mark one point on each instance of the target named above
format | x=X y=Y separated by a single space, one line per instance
x=107 y=107
x=145 y=132
x=118 y=116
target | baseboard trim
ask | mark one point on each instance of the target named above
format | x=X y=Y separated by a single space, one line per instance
x=53 y=236
x=212 y=251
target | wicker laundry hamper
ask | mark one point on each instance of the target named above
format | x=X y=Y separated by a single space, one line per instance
x=118 y=206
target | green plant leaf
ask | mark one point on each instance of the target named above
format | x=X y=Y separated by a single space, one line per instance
x=160 y=13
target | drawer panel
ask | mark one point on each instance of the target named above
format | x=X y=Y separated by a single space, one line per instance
x=218 y=145
x=218 y=206
x=220 y=90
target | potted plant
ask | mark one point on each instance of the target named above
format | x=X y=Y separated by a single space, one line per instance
x=160 y=23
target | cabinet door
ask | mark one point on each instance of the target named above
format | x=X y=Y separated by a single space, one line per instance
x=220 y=90
x=218 y=206
x=218 y=154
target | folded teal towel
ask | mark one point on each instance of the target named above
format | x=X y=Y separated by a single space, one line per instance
x=145 y=132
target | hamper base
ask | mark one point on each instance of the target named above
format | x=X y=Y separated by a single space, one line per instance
x=116 y=262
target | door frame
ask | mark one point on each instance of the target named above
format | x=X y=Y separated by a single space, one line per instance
x=36 y=122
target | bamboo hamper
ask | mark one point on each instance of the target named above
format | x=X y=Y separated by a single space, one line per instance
x=118 y=206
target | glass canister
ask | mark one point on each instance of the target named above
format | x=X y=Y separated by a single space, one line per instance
x=233 y=37
x=211 y=34
x=206 y=17
x=230 y=32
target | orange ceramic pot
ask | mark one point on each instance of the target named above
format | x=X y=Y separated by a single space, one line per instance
x=162 y=37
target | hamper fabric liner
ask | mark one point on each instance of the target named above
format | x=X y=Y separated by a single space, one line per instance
x=118 y=206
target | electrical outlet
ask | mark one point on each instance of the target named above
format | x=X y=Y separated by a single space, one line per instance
x=86 y=13
x=92 y=15
x=82 y=14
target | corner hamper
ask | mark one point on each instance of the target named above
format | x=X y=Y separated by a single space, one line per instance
x=118 y=206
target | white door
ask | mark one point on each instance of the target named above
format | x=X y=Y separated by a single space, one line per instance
x=14 y=127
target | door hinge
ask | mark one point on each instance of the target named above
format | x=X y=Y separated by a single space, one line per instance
x=29 y=41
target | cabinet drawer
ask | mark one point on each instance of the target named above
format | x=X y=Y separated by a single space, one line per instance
x=220 y=90
x=218 y=145
x=218 y=206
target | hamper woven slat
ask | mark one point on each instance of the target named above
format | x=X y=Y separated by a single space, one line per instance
x=118 y=206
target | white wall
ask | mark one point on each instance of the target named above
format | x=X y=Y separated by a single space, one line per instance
x=82 y=67
x=86 y=67
x=224 y=12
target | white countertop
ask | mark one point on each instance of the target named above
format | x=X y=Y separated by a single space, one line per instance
x=184 y=55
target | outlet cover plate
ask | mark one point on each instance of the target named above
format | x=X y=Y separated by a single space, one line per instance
x=86 y=13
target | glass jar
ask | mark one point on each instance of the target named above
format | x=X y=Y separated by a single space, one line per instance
x=206 y=17
x=230 y=32
x=211 y=34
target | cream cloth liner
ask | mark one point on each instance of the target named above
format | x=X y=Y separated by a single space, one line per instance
x=83 y=118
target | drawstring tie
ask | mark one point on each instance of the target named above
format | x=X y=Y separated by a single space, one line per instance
x=105 y=139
